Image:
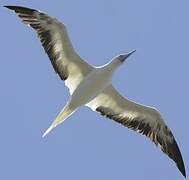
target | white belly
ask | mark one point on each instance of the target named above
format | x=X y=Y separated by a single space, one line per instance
x=90 y=87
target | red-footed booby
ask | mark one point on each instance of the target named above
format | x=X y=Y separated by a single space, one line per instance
x=92 y=86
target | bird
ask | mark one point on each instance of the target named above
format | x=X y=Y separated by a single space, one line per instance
x=92 y=86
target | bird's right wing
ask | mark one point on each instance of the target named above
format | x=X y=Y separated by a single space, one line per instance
x=143 y=119
x=55 y=40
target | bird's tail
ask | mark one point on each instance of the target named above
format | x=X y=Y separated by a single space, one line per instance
x=63 y=115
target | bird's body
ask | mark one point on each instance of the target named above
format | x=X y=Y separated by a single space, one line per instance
x=98 y=79
x=92 y=86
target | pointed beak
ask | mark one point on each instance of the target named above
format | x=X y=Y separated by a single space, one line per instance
x=125 y=56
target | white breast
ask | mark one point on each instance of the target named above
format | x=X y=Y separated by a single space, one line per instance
x=90 y=87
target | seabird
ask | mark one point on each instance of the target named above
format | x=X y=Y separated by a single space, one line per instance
x=92 y=86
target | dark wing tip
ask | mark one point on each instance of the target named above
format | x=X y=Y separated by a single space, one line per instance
x=172 y=150
x=9 y=7
x=177 y=157
x=20 y=9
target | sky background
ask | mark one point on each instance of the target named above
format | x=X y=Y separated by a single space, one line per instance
x=88 y=146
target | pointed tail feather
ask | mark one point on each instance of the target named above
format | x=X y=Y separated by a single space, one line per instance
x=64 y=114
x=48 y=130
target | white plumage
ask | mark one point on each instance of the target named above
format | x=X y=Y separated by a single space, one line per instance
x=91 y=86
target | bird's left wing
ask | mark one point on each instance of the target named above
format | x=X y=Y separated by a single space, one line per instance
x=143 y=119
x=55 y=40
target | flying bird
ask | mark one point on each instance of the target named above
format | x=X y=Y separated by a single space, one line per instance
x=92 y=86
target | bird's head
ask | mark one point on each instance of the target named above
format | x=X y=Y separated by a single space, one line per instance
x=120 y=59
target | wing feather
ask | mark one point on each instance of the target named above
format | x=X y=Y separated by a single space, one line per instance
x=143 y=119
x=55 y=40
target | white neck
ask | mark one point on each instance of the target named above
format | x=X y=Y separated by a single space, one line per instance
x=113 y=65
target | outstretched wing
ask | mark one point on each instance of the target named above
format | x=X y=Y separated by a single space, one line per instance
x=54 y=38
x=142 y=119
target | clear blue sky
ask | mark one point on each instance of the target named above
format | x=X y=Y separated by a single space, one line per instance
x=88 y=146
